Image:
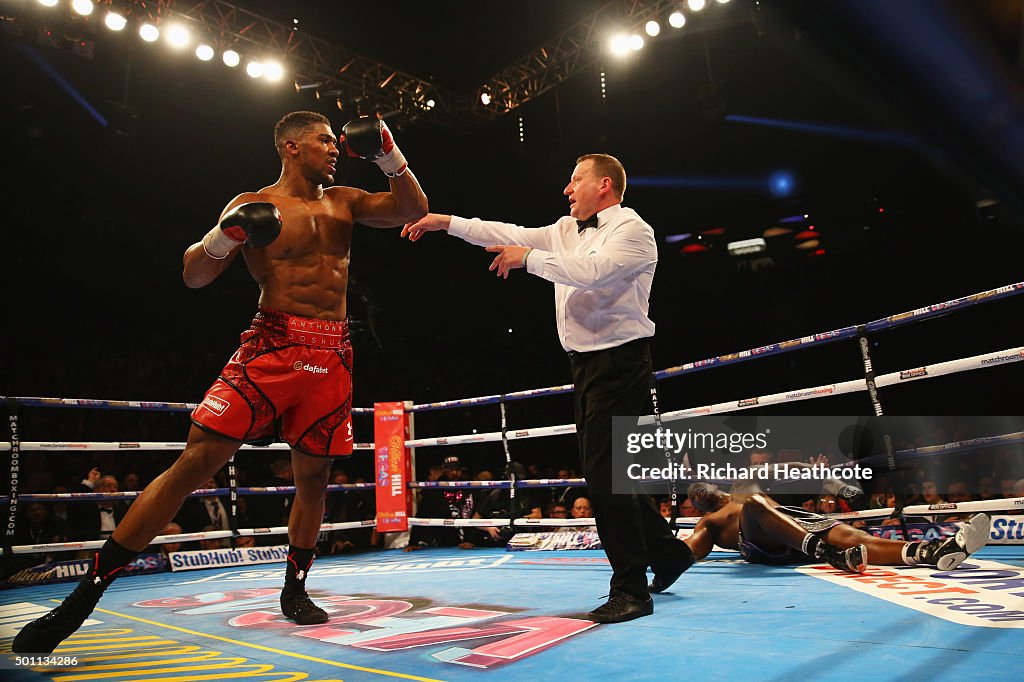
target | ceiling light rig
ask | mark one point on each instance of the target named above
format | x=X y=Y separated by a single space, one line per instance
x=238 y=37
x=154 y=23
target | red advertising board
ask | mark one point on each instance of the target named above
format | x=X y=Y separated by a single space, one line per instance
x=391 y=462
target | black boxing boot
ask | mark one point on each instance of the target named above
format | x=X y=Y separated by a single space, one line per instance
x=851 y=560
x=295 y=603
x=44 y=634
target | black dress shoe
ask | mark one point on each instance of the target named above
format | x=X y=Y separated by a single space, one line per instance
x=670 y=572
x=622 y=607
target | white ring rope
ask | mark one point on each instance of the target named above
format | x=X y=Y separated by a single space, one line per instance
x=569 y=523
x=494 y=436
x=983 y=361
x=943 y=508
x=490 y=485
x=863 y=514
x=459 y=523
x=110 y=446
x=183 y=537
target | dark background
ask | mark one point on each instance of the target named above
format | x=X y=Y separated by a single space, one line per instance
x=96 y=221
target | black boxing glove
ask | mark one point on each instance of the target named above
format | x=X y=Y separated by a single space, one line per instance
x=369 y=138
x=256 y=224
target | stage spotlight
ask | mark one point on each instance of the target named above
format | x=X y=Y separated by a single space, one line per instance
x=254 y=69
x=430 y=104
x=485 y=98
x=83 y=7
x=653 y=28
x=636 y=42
x=48 y=3
x=677 y=20
x=695 y=5
x=115 y=21
x=178 y=36
x=231 y=58
x=149 y=33
x=619 y=44
x=273 y=71
x=204 y=52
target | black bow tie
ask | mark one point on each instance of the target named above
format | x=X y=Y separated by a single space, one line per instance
x=584 y=224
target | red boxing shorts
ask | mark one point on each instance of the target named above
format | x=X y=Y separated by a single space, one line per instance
x=293 y=369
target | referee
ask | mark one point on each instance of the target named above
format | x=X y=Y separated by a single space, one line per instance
x=601 y=259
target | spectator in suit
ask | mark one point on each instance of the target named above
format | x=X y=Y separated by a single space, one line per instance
x=37 y=527
x=199 y=512
x=96 y=520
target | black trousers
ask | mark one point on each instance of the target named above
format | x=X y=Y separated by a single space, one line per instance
x=617 y=382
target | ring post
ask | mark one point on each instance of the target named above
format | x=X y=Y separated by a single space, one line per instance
x=876 y=404
x=12 y=502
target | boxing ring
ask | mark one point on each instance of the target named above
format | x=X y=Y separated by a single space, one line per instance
x=452 y=614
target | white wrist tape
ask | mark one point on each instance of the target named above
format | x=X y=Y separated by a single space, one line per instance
x=393 y=163
x=217 y=244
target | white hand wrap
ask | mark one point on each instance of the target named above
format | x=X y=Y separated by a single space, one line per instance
x=218 y=245
x=393 y=163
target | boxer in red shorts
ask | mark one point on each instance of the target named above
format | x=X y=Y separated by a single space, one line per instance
x=294 y=365
x=295 y=369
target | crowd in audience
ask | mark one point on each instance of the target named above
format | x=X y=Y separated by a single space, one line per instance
x=981 y=474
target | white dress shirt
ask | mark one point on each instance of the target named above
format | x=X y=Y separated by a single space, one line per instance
x=215 y=510
x=602 y=276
